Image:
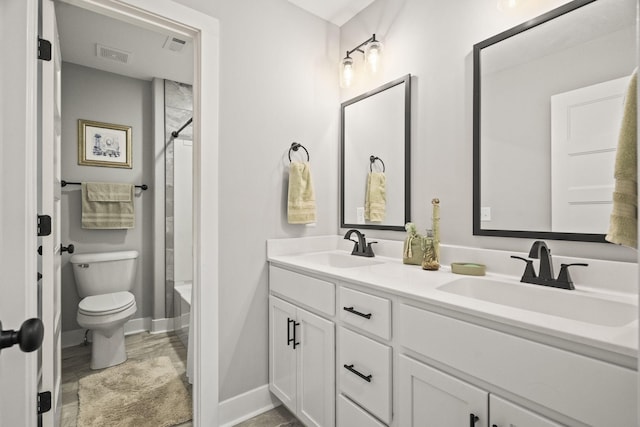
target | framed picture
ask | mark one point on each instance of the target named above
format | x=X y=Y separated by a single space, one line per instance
x=104 y=144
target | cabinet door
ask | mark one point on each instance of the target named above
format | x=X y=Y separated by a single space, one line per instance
x=282 y=356
x=316 y=370
x=507 y=414
x=428 y=397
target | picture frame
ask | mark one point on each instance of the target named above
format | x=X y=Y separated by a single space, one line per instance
x=104 y=144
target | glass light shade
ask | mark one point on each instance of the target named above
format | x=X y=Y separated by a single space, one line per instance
x=372 y=53
x=346 y=71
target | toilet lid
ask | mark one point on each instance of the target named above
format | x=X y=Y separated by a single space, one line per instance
x=106 y=303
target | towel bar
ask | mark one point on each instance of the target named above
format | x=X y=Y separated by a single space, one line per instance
x=64 y=183
x=294 y=147
x=372 y=160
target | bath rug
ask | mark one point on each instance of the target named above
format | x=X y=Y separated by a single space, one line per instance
x=146 y=393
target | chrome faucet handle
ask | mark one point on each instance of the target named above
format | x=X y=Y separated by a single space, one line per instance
x=564 y=278
x=529 y=272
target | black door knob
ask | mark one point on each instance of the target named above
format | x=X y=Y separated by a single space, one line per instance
x=69 y=248
x=28 y=337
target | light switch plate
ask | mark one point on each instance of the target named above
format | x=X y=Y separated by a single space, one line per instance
x=485 y=214
x=360 y=215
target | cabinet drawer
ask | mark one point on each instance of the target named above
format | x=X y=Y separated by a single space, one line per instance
x=312 y=292
x=365 y=373
x=365 y=311
x=588 y=390
x=351 y=415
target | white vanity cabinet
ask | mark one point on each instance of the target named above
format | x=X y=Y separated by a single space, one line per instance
x=429 y=397
x=302 y=358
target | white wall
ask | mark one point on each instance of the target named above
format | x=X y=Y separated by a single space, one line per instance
x=106 y=97
x=278 y=84
x=433 y=41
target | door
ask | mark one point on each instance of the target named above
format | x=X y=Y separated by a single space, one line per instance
x=18 y=210
x=49 y=193
x=282 y=356
x=584 y=137
x=428 y=397
x=507 y=414
x=316 y=370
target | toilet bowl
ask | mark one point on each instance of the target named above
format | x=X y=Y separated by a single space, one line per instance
x=103 y=281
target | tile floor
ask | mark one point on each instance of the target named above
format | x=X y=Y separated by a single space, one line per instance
x=75 y=365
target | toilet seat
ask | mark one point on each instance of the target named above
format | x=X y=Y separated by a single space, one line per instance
x=105 y=304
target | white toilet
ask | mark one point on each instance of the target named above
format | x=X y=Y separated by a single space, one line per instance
x=103 y=281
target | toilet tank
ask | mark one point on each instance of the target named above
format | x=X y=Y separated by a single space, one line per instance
x=103 y=273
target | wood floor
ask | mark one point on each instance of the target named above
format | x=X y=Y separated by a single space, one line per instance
x=76 y=360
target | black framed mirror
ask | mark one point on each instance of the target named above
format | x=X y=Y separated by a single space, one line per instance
x=547 y=103
x=375 y=147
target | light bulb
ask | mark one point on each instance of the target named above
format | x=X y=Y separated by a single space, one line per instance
x=346 y=71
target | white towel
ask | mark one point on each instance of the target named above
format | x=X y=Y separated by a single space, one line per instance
x=301 y=206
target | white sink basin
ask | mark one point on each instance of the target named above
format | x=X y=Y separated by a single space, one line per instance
x=338 y=260
x=556 y=302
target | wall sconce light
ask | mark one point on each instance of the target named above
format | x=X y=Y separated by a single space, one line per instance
x=372 y=51
x=505 y=5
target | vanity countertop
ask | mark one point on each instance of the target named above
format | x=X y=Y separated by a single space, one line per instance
x=616 y=344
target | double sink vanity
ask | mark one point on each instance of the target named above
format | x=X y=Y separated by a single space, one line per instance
x=369 y=341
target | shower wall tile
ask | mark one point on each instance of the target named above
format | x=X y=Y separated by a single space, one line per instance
x=178 y=98
x=178 y=95
x=175 y=118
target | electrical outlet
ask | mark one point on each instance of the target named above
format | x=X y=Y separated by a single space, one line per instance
x=485 y=214
x=360 y=215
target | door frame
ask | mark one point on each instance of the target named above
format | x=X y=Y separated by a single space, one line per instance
x=204 y=31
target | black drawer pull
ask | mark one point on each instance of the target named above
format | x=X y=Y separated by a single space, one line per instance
x=357 y=313
x=473 y=418
x=367 y=378
x=289 y=339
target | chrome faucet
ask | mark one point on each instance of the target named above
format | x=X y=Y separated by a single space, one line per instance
x=360 y=247
x=545 y=277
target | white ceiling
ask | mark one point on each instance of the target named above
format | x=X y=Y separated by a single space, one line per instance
x=80 y=30
x=335 y=11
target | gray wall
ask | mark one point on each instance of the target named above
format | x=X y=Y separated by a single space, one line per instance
x=278 y=84
x=106 y=97
x=433 y=41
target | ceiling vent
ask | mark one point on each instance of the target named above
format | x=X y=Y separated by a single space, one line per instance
x=113 y=54
x=174 y=44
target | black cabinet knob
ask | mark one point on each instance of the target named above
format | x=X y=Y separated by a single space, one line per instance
x=28 y=337
x=69 y=248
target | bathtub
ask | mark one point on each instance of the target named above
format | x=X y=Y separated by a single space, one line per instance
x=182 y=321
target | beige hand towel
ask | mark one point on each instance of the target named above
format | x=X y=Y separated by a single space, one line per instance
x=107 y=205
x=375 y=202
x=623 y=223
x=302 y=200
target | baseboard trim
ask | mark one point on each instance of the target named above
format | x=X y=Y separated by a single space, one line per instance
x=246 y=405
x=133 y=326
x=159 y=326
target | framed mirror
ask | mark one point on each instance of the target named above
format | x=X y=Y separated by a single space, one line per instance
x=547 y=106
x=375 y=146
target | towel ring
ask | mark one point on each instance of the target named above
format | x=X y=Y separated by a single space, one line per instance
x=372 y=160
x=294 y=147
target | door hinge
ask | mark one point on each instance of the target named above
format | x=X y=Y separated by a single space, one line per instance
x=44 y=402
x=44 y=225
x=44 y=49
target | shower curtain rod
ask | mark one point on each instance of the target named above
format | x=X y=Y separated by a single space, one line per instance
x=176 y=133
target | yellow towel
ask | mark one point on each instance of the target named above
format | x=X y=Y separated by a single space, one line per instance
x=107 y=205
x=375 y=202
x=301 y=206
x=623 y=224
